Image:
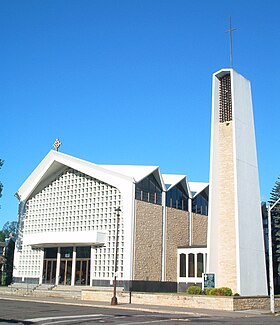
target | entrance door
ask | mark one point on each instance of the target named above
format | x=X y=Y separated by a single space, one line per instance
x=82 y=276
x=49 y=271
x=65 y=272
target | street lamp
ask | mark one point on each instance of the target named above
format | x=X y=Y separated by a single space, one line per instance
x=114 y=300
x=271 y=279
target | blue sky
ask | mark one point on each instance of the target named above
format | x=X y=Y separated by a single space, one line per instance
x=129 y=82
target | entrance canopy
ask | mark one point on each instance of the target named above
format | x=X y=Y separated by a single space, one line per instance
x=63 y=239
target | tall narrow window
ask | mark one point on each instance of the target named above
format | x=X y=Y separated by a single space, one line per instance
x=225 y=99
x=191 y=265
x=200 y=269
x=183 y=264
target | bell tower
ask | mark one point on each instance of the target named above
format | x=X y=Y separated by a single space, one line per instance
x=235 y=234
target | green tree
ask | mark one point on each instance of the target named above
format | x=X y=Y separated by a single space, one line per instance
x=275 y=215
x=10 y=227
x=1 y=185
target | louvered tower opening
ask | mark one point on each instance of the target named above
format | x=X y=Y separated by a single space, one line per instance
x=225 y=99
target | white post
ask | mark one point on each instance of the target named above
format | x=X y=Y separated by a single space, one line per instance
x=163 y=264
x=73 y=266
x=92 y=255
x=270 y=261
x=190 y=221
x=58 y=255
x=271 y=278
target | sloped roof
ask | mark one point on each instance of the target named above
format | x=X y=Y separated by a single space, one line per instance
x=55 y=162
x=171 y=180
x=138 y=172
x=197 y=187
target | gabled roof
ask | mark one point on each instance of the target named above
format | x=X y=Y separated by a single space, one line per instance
x=197 y=187
x=138 y=172
x=171 y=180
x=55 y=162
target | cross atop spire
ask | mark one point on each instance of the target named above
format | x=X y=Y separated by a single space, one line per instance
x=230 y=35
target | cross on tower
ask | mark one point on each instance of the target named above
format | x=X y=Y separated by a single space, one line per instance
x=230 y=35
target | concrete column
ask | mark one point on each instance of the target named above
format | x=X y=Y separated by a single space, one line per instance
x=42 y=267
x=73 y=266
x=163 y=266
x=190 y=221
x=91 y=264
x=57 y=266
x=195 y=265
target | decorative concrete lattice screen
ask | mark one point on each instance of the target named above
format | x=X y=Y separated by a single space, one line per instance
x=74 y=202
x=225 y=99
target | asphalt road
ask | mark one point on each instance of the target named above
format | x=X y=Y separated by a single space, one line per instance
x=14 y=311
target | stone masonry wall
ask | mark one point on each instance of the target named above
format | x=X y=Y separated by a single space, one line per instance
x=148 y=242
x=227 y=275
x=176 y=235
x=199 y=229
x=185 y=301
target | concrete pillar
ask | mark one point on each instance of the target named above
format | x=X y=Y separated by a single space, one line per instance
x=57 y=266
x=73 y=266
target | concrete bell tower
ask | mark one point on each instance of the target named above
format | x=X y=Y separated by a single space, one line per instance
x=235 y=234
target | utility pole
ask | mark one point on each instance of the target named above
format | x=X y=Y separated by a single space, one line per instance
x=114 y=300
x=271 y=278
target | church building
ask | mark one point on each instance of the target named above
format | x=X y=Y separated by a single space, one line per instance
x=70 y=210
x=68 y=214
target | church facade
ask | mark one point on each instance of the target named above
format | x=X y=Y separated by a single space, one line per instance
x=70 y=210
x=68 y=214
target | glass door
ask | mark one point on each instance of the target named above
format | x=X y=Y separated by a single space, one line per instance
x=49 y=271
x=65 y=272
x=82 y=276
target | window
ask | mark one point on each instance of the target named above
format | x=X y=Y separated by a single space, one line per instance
x=83 y=252
x=50 y=252
x=183 y=264
x=191 y=265
x=177 y=198
x=200 y=268
x=200 y=203
x=149 y=190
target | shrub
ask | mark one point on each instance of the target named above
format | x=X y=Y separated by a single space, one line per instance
x=223 y=291
x=194 y=290
x=207 y=291
x=226 y=291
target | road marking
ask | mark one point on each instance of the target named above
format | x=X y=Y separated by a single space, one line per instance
x=62 y=317
x=148 y=322
x=72 y=320
x=181 y=319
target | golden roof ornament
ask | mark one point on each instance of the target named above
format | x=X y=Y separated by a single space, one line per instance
x=57 y=144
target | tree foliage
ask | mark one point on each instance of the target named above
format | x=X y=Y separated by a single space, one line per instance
x=274 y=196
x=1 y=185
x=10 y=227
x=275 y=214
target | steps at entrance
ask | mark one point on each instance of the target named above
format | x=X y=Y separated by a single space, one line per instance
x=66 y=292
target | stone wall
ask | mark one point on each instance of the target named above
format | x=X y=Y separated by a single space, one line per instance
x=227 y=274
x=199 y=229
x=187 y=301
x=176 y=235
x=148 y=242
